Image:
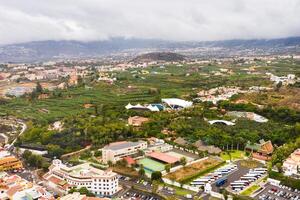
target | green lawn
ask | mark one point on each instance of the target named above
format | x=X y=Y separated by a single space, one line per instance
x=236 y=154
x=250 y=190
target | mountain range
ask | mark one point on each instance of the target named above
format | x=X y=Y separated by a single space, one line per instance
x=48 y=50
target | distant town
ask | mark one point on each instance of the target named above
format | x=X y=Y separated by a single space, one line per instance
x=158 y=126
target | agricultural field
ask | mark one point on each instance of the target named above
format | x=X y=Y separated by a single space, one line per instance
x=132 y=86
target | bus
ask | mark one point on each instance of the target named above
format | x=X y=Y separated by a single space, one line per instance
x=250 y=179
x=236 y=183
x=198 y=183
x=221 y=182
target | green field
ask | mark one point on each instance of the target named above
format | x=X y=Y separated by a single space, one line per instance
x=233 y=155
x=151 y=165
x=131 y=87
x=250 y=190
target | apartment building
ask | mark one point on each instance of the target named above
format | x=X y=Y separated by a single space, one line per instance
x=10 y=163
x=117 y=150
x=291 y=166
x=99 y=182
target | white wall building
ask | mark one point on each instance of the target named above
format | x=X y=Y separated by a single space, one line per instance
x=292 y=164
x=117 y=150
x=99 y=182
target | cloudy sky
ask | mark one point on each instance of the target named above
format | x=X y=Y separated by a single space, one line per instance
x=182 y=20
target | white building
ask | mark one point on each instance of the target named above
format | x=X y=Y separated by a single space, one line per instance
x=99 y=182
x=175 y=103
x=292 y=164
x=117 y=150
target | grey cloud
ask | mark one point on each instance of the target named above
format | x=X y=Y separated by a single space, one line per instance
x=85 y=20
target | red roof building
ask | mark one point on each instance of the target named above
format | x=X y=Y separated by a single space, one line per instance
x=129 y=160
x=163 y=157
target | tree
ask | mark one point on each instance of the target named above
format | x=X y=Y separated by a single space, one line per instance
x=278 y=86
x=38 y=88
x=110 y=163
x=183 y=161
x=98 y=153
x=156 y=176
x=55 y=150
x=168 y=168
x=142 y=171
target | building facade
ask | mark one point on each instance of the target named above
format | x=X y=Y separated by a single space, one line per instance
x=10 y=163
x=99 y=182
x=291 y=166
x=117 y=150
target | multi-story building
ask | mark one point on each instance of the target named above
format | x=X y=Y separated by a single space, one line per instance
x=291 y=166
x=99 y=182
x=117 y=150
x=10 y=163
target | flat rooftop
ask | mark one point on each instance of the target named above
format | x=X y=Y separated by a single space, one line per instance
x=122 y=145
x=85 y=170
x=163 y=157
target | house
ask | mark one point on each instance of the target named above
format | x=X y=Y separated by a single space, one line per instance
x=129 y=160
x=78 y=196
x=117 y=150
x=3 y=139
x=291 y=166
x=209 y=148
x=181 y=141
x=261 y=151
x=137 y=120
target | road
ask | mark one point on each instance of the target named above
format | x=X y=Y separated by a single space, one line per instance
x=24 y=127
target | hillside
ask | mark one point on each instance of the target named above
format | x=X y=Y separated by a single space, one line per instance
x=47 y=50
x=160 y=56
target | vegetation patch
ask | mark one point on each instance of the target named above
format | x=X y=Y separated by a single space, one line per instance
x=250 y=190
x=194 y=170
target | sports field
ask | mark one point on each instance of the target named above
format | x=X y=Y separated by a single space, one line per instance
x=151 y=165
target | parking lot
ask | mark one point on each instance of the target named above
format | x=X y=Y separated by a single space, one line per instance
x=134 y=194
x=272 y=192
x=235 y=175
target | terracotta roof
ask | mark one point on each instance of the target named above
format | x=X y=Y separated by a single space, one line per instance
x=94 y=198
x=11 y=191
x=129 y=160
x=267 y=147
x=163 y=157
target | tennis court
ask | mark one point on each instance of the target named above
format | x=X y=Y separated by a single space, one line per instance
x=151 y=165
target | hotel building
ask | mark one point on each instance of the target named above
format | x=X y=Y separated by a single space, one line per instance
x=99 y=182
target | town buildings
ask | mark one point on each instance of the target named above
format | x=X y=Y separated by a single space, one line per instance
x=215 y=95
x=16 y=188
x=99 y=182
x=117 y=150
x=291 y=166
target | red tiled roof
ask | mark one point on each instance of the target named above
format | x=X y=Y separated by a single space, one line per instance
x=94 y=198
x=129 y=160
x=11 y=191
x=163 y=157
